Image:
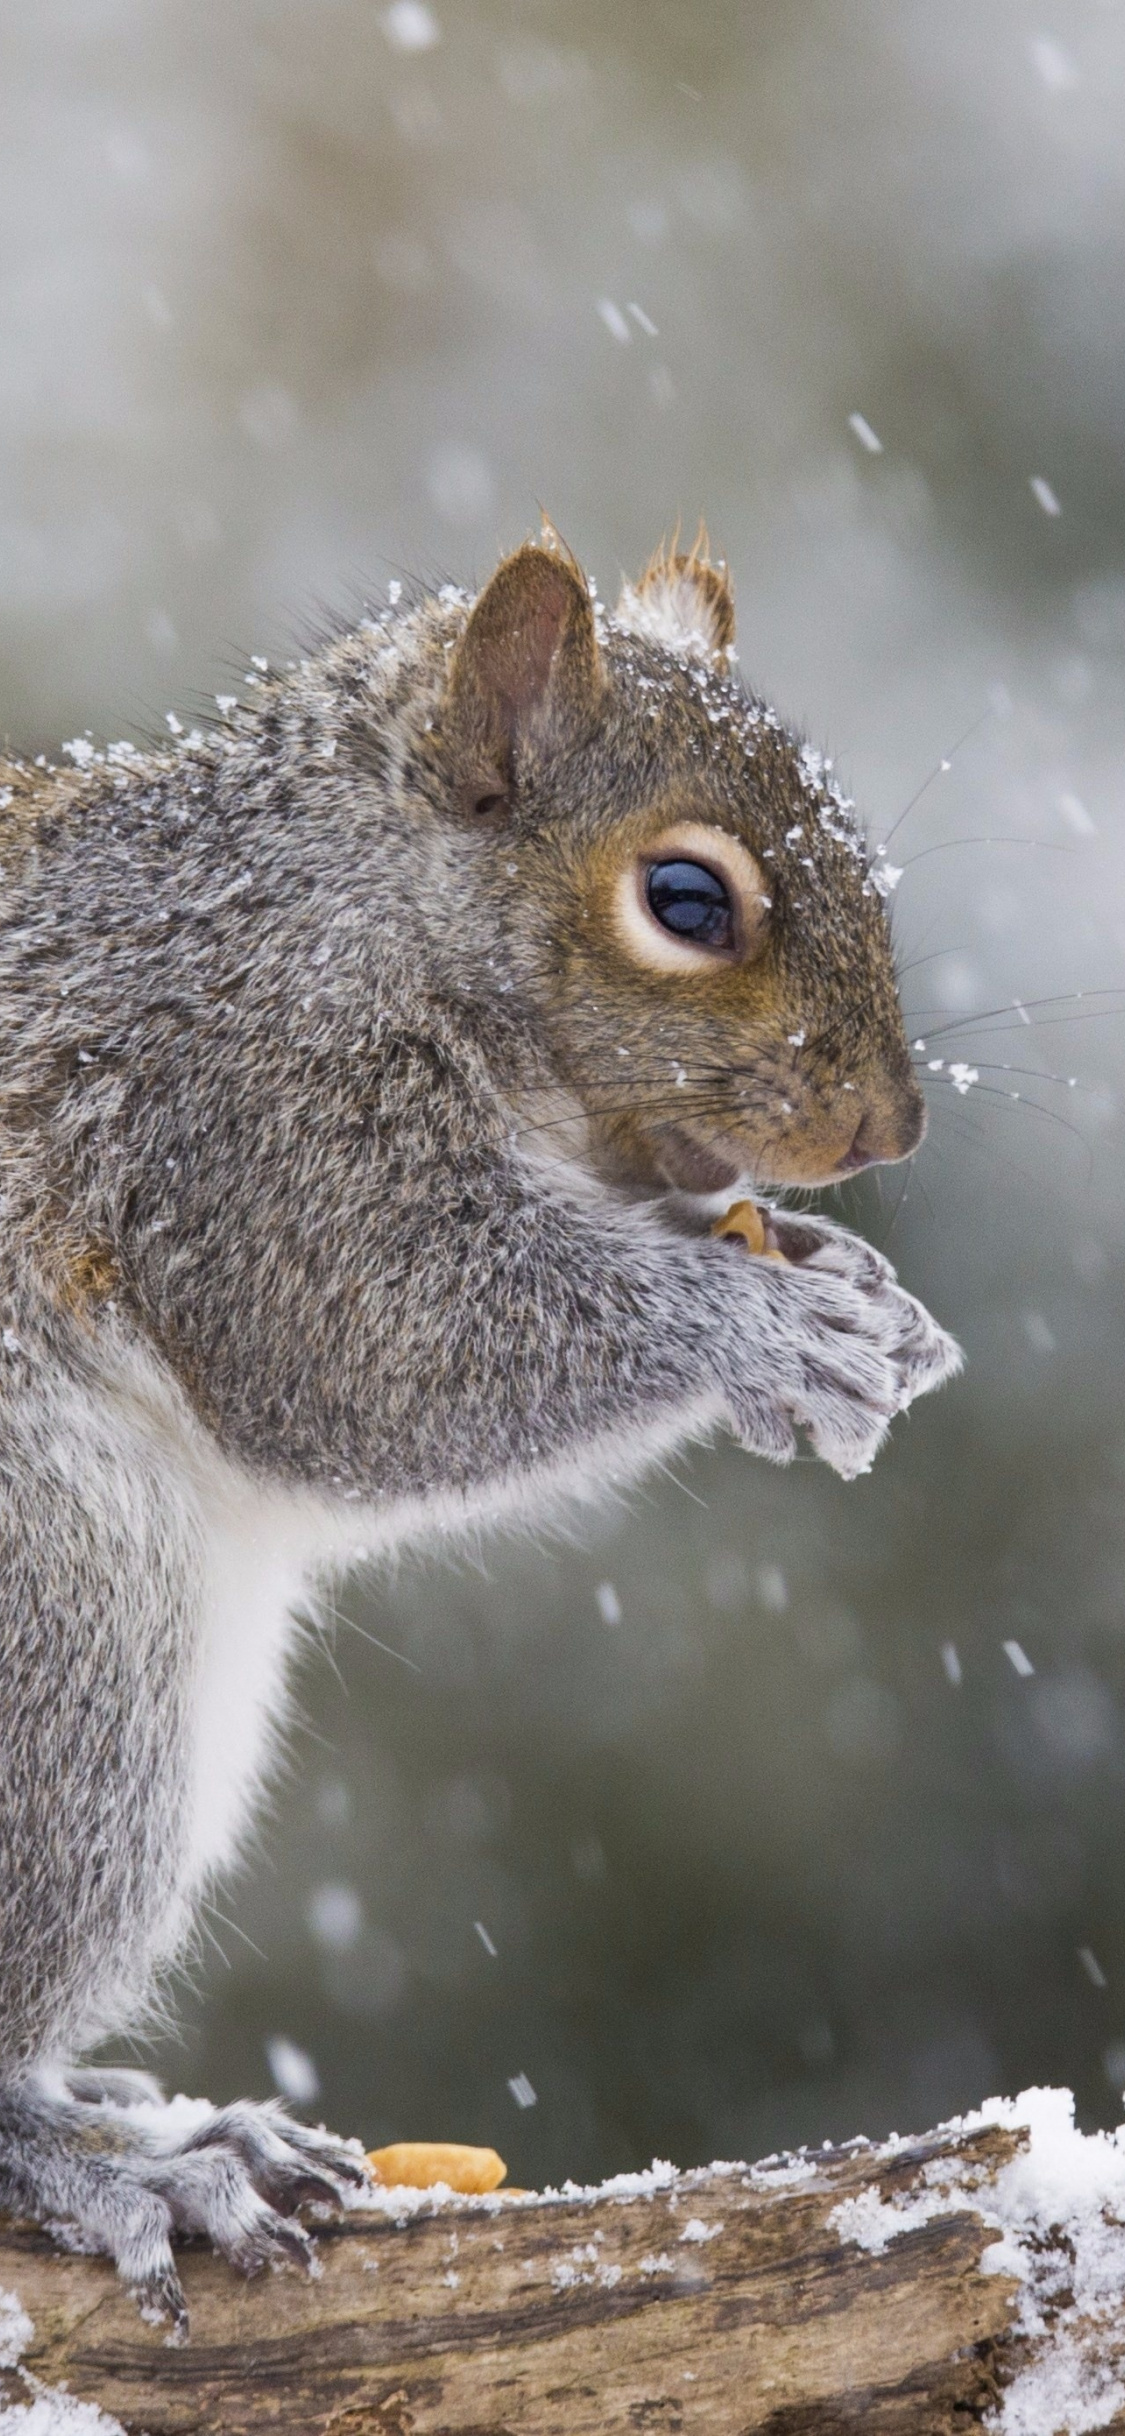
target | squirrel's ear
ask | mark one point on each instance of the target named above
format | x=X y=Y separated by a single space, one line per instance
x=683 y=602
x=527 y=669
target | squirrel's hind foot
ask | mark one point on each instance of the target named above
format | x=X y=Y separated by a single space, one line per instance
x=107 y=2165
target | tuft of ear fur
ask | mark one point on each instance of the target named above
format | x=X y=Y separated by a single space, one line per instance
x=682 y=601
x=526 y=672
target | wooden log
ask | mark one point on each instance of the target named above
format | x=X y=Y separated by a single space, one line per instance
x=734 y=2301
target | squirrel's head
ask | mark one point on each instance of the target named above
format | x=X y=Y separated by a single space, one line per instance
x=681 y=890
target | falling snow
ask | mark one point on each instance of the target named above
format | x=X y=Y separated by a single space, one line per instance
x=292 y=2071
x=410 y=26
x=867 y=438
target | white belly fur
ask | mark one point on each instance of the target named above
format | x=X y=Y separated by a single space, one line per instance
x=261 y=1554
x=260 y=1551
x=257 y=1559
x=267 y=1551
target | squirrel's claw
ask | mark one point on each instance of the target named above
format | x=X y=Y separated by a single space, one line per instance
x=159 y=2295
x=113 y=2170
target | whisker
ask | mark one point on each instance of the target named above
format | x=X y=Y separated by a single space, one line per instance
x=939 y=771
x=827 y=1039
x=1025 y=1009
x=946 y=845
x=915 y=963
x=900 y=1201
x=1020 y=1099
x=985 y=1146
x=1052 y=1023
x=926 y=1197
x=1035 y=1074
x=714 y=1104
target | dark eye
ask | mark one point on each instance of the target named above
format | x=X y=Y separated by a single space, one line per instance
x=691 y=902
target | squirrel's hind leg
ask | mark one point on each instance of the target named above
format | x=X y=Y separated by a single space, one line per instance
x=122 y=2175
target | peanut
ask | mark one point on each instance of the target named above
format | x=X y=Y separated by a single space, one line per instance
x=417 y=2165
x=743 y=1220
x=744 y=1223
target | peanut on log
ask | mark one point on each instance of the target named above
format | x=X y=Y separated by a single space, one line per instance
x=426 y=2165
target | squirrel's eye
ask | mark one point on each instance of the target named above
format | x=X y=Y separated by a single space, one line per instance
x=691 y=902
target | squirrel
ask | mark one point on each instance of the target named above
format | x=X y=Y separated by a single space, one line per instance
x=372 y=1067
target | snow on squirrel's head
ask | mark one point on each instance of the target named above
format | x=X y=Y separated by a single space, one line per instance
x=683 y=602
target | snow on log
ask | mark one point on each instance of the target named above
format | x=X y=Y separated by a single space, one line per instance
x=910 y=2288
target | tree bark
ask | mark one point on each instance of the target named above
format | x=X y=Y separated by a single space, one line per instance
x=726 y=2302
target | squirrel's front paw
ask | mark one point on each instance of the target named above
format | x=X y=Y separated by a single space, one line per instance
x=924 y=1354
x=848 y=1349
x=818 y=1356
x=121 y=2172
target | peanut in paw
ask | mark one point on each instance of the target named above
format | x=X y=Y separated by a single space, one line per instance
x=744 y=1223
x=419 y=2165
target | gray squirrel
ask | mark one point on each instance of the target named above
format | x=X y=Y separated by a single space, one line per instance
x=372 y=1067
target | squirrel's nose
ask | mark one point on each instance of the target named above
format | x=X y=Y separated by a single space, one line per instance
x=878 y=1138
x=863 y=1152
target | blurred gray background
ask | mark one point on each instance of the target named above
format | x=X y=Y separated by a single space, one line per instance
x=786 y=1809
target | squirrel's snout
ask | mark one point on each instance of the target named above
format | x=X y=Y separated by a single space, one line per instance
x=865 y=1150
x=884 y=1135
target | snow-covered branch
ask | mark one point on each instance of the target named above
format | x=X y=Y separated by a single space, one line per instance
x=914 y=2287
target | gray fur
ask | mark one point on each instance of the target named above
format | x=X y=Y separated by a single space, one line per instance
x=328 y=1194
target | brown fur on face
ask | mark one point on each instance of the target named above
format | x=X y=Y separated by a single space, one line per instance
x=769 y=1065
x=786 y=1062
